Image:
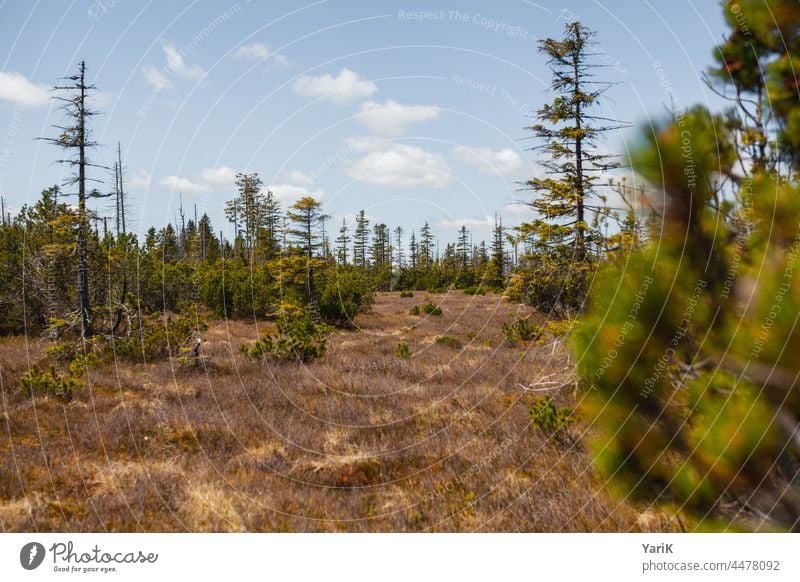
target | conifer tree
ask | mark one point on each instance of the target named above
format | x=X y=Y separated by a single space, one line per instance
x=425 y=255
x=342 y=243
x=567 y=198
x=360 y=240
x=76 y=137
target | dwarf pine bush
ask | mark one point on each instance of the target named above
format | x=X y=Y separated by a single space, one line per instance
x=299 y=339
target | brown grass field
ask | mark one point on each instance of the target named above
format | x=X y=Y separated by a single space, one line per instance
x=359 y=440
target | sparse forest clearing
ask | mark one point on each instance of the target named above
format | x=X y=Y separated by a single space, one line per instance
x=360 y=439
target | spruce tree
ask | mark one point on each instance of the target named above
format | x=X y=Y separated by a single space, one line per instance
x=342 y=243
x=360 y=240
x=567 y=199
x=75 y=137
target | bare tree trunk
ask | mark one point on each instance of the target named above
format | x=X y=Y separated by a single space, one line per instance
x=83 y=267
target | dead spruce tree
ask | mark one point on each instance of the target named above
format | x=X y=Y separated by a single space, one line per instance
x=75 y=139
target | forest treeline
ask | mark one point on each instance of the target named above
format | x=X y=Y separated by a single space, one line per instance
x=682 y=282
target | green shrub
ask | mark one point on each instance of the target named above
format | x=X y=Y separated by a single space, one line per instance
x=82 y=363
x=522 y=330
x=234 y=289
x=428 y=309
x=474 y=290
x=559 y=328
x=448 y=341
x=159 y=337
x=403 y=351
x=299 y=339
x=36 y=380
x=405 y=294
x=345 y=292
x=431 y=309
x=552 y=420
x=60 y=353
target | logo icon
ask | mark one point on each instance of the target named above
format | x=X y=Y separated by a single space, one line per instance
x=31 y=555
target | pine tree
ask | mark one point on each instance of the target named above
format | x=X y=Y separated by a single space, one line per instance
x=305 y=217
x=496 y=274
x=425 y=259
x=247 y=211
x=270 y=240
x=207 y=241
x=567 y=198
x=361 y=240
x=168 y=244
x=413 y=250
x=380 y=252
x=463 y=248
x=398 y=233
x=342 y=243
x=76 y=136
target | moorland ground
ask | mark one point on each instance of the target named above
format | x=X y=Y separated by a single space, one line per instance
x=358 y=440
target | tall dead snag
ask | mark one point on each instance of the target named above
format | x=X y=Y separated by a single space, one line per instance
x=75 y=139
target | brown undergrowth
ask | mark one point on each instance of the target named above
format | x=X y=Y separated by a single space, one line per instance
x=358 y=440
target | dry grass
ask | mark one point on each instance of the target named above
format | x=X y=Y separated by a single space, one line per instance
x=359 y=440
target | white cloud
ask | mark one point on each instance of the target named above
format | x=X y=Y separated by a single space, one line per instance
x=177 y=65
x=280 y=60
x=299 y=178
x=400 y=165
x=347 y=86
x=258 y=51
x=183 y=185
x=156 y=78
x=468 y=222
x=17 y=88
x=290 y=193
x=391 y=118
x=255 y=50
x=504 y=162
x=220 y=176
x=140 y=179
x=360 y=143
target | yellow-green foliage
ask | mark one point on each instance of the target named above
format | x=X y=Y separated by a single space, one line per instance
x=344 y=293
x=159 y=337
x=552 y=420
x=558 y=327
x=448 y=341
x=403 y=351
x=474 y=290
x=297 y=338
x=427 y=309
x=690 y=347
x=52 y=382
x=522 y=330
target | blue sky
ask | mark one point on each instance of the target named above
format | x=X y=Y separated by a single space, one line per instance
x=413 y=111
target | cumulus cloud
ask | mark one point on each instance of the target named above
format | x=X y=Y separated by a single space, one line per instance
x=183 y=185
x=299 y=178
x=258 y=51
x=360 y=143
x=392 y=164
x=347 y=86
x=504 y=162
x=220 y=176
x=155 y=77
x=140 y=179
x=291 y=193
x=177 y=65
x=468 y=222
x=17 y=88
x=255 y=50
x=391 y=118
